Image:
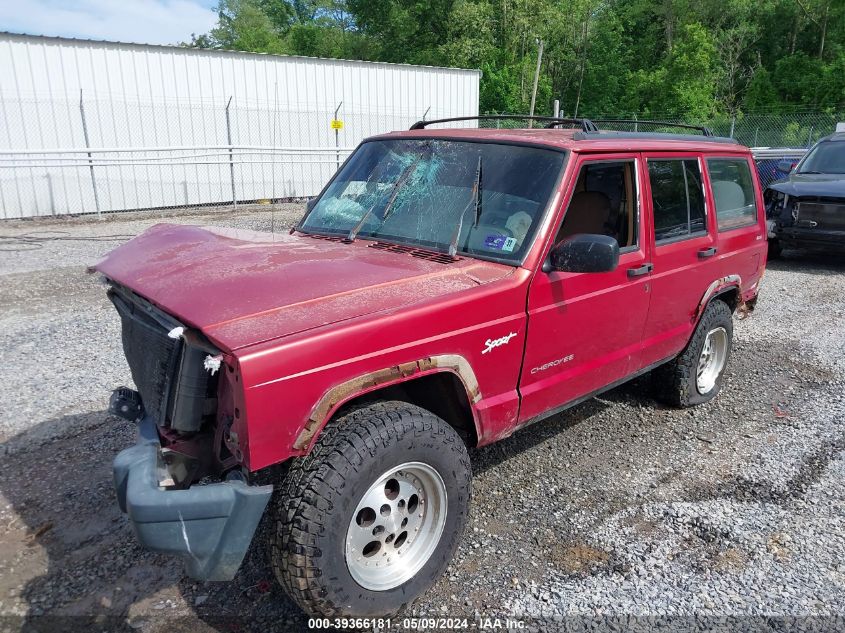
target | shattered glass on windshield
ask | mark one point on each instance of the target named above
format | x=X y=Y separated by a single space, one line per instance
x=481 y=199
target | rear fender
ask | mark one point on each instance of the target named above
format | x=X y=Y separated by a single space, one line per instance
x=340 y=394
x=719 y=287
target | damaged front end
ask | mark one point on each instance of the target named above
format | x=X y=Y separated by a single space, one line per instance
x=210 y=526
x=185 y=410
x=175 y=389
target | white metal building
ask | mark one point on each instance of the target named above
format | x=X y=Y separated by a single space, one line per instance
x=90 y=126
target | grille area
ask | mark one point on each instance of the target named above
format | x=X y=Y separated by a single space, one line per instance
x=168 y=373
x=827 y=214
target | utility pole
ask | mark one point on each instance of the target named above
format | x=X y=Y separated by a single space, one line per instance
x=536 y=79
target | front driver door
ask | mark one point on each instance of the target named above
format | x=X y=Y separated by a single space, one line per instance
x=585 y=329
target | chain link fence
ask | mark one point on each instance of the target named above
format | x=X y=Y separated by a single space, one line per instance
x=106 y=153
x=792 y=130
x=774 y=138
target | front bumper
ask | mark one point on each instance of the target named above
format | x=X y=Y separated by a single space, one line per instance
x=812 y=238
x=209 y=526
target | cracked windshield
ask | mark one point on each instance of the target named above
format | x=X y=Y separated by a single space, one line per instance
x=480 y=199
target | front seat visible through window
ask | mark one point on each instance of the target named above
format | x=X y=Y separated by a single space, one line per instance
x=588 y=212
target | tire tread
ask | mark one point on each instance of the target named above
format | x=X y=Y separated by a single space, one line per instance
x=674 y=382
x=304 y=500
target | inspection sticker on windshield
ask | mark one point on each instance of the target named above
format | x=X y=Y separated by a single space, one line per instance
x=500 y=242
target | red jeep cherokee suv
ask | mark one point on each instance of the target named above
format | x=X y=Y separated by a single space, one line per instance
x=446 y=288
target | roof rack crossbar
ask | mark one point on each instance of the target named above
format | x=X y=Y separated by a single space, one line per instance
x=706 y=131
x=586 y=124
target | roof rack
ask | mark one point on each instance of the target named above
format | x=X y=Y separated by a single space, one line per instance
x=706 y=131
x=607 y=135
x=586 y=124
x=589 y=127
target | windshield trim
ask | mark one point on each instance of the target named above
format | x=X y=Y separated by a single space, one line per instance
x=422 y=247
x=541 y=217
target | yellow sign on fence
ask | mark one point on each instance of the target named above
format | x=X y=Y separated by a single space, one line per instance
x=337 y=124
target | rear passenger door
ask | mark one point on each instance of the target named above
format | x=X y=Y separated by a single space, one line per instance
x=684 y=252
x=740 y=236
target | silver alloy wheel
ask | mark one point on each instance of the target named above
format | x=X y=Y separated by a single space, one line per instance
x=712 y=360
x=396 y=527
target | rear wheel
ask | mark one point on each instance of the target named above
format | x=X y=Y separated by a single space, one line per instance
x=372 y=517
x=696 y=375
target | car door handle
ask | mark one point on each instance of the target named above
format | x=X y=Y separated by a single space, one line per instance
x=642 y=270
x=704 y=253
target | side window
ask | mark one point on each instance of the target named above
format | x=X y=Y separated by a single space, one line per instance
x=733 y=192
x=604 y=202
x=677 y=197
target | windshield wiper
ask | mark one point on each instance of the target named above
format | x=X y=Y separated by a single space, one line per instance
x=397 y=186
x=476 y=198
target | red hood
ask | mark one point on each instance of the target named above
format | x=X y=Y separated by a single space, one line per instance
x=245 y=287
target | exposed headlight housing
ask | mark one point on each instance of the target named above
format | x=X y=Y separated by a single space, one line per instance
x=779 y=206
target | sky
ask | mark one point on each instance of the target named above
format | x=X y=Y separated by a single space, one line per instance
x=141 y=21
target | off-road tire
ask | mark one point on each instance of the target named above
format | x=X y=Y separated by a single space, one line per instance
x=675 y=382
x=321 y=491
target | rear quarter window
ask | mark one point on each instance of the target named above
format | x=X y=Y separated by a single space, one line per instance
x=733 y=192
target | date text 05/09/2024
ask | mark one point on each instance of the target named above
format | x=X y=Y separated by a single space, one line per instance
x=417 y=624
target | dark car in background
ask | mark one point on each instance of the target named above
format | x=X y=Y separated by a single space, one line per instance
x=807 y=208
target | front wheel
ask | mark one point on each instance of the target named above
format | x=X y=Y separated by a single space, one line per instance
x=695 y=377
x=371 y=518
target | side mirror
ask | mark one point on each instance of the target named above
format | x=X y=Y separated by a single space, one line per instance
x=584 y=253
x=786 y=166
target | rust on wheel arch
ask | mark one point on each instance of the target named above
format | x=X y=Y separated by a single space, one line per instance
x=729 y=281
x=345 y=391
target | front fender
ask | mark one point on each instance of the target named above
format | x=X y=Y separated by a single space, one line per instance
x=347 y=391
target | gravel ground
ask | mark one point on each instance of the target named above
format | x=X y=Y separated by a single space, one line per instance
x=612 y=515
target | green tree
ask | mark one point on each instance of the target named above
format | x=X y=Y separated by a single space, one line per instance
x=798 y=79
x=314 y=40
x=607 y=76
x=280 y=13
x=405 y=30
x=761 y=93
x=654 y=58
x=500 y=90
x=470 y=41
x=734 y=65
x=691 y=73
x=832 y=92
x=243 y=26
